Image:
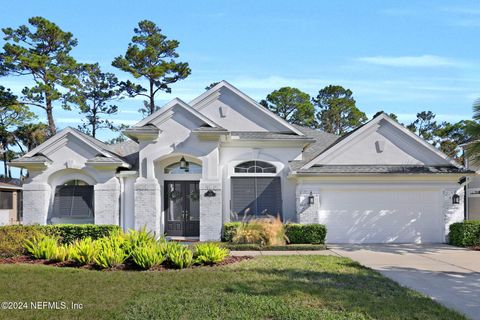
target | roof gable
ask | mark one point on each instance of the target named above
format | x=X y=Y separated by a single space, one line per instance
x=166 y=111
x=235 y=111
x=382 y=141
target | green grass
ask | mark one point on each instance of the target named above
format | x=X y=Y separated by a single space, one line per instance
x=282 y=287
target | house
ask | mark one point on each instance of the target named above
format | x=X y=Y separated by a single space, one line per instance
x=472 y=198
x=10 y=203
x=190 y=167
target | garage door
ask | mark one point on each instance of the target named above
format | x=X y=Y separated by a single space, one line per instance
x=382 y=216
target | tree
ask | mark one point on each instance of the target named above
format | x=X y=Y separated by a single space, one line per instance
x=391 y=115
x=12 y=114
x=292 y=105
x=121 y=137
x=93 y=95
x=451 y=136
x=425 y=127
x=211 y=85
x=31 y=135
x=473 y=129
x=150 y=55
x=337 y=111
x=41 y=51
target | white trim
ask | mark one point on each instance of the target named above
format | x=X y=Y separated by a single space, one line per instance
x=61 y=134
x=170 y=105
x=224 y=84
x=366 y=128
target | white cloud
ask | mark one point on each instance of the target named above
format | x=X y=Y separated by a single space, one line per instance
x=412 y=61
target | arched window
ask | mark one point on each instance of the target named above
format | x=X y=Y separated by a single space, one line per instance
x=255 y=167
x=73 y=203
x=176 y=168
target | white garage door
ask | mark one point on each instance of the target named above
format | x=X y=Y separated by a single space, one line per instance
x=382 y=216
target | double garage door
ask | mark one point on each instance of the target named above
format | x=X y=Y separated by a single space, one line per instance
x=382 y=215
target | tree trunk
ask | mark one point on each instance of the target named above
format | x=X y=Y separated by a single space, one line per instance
x=5 y=163
x=51 y=122
x=152 y=98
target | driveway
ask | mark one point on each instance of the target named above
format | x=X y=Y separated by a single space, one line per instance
x=450 y=275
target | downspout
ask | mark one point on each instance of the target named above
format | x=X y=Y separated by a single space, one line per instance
x=121 y=216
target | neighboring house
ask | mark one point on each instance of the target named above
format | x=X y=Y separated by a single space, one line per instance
x=473 y=187
x=190 y=167
x=10 y=203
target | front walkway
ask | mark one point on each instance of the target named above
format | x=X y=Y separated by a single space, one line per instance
x=448 y=274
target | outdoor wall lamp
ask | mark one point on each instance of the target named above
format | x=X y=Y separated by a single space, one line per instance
x=456 y=199
x=311 y=198
x=183 y=164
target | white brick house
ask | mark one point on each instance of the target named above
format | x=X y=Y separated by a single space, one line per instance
x=190 y=167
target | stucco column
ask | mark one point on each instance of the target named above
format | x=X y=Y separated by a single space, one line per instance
x=36 y=201
x=307 y=213
x=107 y=202
x=211 y=217
x=147 y=205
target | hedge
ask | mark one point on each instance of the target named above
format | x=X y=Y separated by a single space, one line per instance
x=465 y=234
x=306 y=233
x=296 y=233
x=229 y=229
x=12 y=238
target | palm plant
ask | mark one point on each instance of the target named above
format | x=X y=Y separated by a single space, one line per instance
x=473 y=129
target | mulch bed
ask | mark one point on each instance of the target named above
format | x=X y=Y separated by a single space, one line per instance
x=123 y=267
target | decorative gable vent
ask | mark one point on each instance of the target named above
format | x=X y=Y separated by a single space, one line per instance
x=380 y=146
x=223 y=111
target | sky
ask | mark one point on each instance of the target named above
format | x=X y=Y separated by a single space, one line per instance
x=397 y=56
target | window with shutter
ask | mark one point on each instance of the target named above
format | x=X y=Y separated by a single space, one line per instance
x=6 y=200
x=73 y=200
x=256 y=196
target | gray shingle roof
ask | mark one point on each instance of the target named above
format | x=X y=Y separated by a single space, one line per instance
x=380 y=169
x=258 y=135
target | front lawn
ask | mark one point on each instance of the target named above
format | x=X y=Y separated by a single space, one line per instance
x=281 y=287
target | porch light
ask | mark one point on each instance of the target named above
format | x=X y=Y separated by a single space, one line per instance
x=311 y=198
x=183 y=164
x=456 y=199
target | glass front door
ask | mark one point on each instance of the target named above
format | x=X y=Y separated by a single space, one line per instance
x=182 y=208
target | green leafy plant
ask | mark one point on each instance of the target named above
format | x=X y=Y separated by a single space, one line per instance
x=210 y=253
x=42 y=247
x=69 y=233
x=179 y=255
x=62 y=253
x=465 y=234
x=306 y=233
x=110 y=252
x=135 y=239
x=84 y=251
x=149 y=255
x=12 y=239
x=229 y=230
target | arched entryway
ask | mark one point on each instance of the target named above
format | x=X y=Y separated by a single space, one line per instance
x=180 y=175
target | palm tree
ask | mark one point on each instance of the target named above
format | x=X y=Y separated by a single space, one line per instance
x=473 y=130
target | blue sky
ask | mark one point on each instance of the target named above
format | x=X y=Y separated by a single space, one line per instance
x=397 y=56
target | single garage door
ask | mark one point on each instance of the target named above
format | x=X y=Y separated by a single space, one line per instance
x=382 y=215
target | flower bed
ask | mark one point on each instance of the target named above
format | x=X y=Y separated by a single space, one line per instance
x=135 y=250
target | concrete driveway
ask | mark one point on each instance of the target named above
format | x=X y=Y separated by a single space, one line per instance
x=450 y=275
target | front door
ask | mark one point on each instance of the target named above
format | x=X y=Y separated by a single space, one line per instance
x=182 y=208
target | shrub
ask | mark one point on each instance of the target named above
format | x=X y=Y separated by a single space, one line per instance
x=42 y=247
x=210 y=253
x=229 y=230
x=465 y=234
x=149 y=255
x=135 y=239
x=69 y=233
x=12 y=239
x=265 y=231
x=249 y=233
x=84 y=251
x=62 y=252
x=111 y=251
x=306 y=233
x=179 y=255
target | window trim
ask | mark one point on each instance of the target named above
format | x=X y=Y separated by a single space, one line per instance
x=232 y=165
